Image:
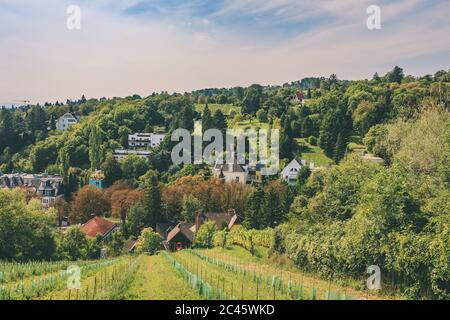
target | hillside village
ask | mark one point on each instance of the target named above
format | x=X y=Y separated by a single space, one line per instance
x=361 y=162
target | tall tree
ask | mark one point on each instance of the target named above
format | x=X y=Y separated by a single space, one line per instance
x=220 y=121
x=111 y=169
x=396 y=75
x=186 y=120
x=152 y=199
x=254 y=213
x=95 y=147
x=207 y=120
x=273 y=212
x=252 y=100
x=287 y=144
x=340 y=148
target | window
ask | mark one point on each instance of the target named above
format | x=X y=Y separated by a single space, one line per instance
x=237 y=179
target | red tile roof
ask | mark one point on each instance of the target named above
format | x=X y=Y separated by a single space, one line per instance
x=97 y=226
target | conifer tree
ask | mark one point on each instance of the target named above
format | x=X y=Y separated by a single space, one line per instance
x=339 y=149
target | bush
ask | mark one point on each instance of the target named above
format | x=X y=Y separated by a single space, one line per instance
x=312 y=141
x=204 y=238
x=25 y=229
x=149 y=241
x=248 y=238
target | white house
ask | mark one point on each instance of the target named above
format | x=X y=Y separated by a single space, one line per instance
x=290 y=172
x=145 y=140
x=66 y=121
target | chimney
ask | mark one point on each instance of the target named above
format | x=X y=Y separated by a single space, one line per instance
x=199 y=220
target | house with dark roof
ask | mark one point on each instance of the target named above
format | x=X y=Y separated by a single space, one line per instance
x=45 y=187
x=99 y=226
x=180 y=237
x=183 y=234
x=231 y=172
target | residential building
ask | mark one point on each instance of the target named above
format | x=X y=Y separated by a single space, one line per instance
x=99 y=226
x=299 y=98
x=255 y=175
x=120 y=154
x=49 y=191
x=290 y=172
x=47 y=188
x=182 y=235
x=145 y=140
x=66 y=121
x=232 y=172
x=97 y=179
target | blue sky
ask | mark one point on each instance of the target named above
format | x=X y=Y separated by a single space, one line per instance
x=141 y=46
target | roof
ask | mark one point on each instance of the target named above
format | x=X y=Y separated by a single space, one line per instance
x=129 y=245
x=300 y=96
x=229 y=167
x=97 y=226
x=181 y=228
x=68 y=115
x=220 y=219
x=164 y=228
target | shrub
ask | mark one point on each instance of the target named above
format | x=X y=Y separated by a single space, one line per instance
x=149 y=241
x=312 y=141
x=205 y=235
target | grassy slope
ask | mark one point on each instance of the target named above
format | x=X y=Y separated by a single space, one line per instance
x=261 y=261
x=235 y=285
x=94 y=278
x=315 y=154
x=225 y=108
x=156 y=279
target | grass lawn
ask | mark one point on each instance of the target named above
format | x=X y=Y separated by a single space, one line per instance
x=156 y=279
x=355 y=145
x=314 y=153
x=225 y=108
x=245 y=124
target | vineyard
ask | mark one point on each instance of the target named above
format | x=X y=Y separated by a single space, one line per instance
x=190 y=274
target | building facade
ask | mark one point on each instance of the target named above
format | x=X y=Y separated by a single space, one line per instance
x=145 y=140
x=66 y=121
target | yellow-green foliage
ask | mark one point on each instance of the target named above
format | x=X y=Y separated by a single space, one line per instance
x=248 y=238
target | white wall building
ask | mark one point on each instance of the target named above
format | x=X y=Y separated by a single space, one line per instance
x=66 y=121
x=120 y=154
x=290 y=172
x=145 y=140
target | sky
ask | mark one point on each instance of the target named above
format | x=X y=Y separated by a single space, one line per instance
x=127 y=47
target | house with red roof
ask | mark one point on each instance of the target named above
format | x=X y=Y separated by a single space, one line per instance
x=99 y=226
x=299 y=98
